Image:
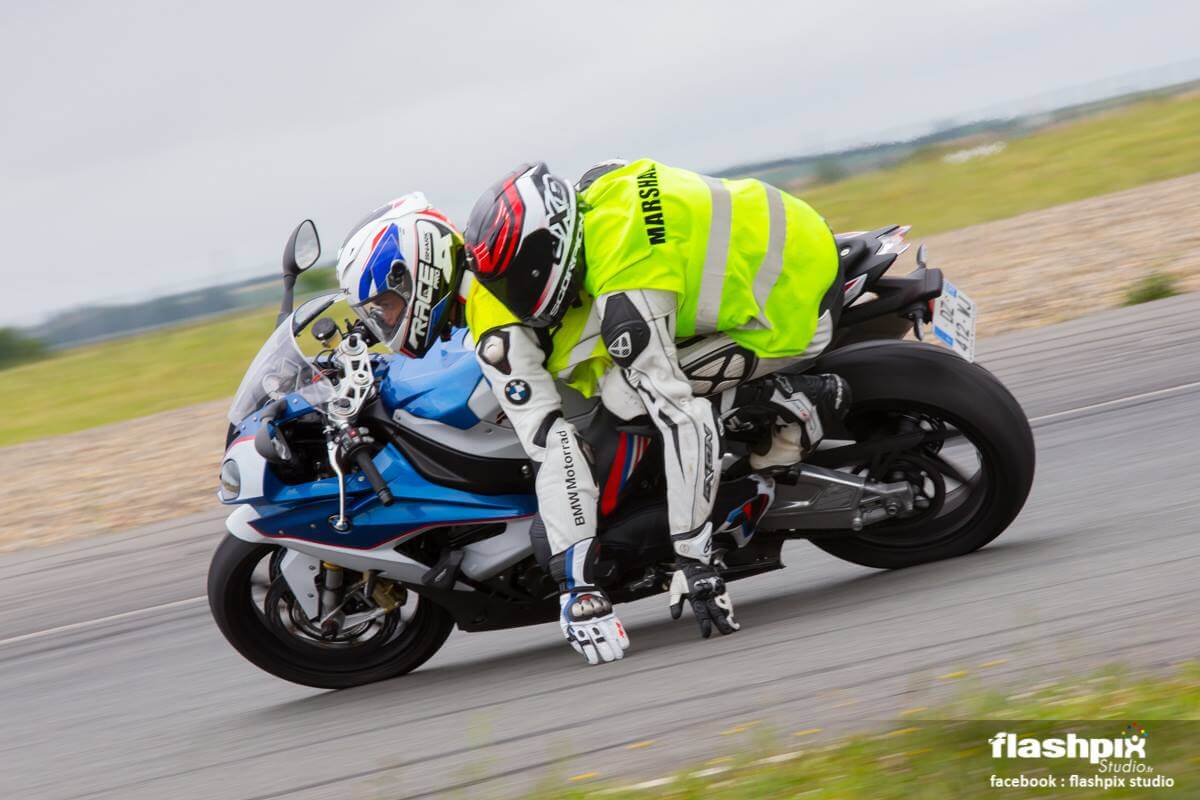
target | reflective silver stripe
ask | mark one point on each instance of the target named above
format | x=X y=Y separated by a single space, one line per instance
x=712 y=279
x=822 y=336
x=772 y=264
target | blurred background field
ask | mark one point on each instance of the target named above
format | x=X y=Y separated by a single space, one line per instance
x=82 y=387
x=933 y=191
x=1040 y=219
x=948 y=186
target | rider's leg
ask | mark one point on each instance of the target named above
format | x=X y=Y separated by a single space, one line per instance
x=807 y=402
x=717 y=365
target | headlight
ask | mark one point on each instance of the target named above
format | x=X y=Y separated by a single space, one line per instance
x=231 y=480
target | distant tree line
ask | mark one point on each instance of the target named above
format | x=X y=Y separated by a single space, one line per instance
x=86 y=323
x=317 y=279
x=89 y=323
x=17 y=348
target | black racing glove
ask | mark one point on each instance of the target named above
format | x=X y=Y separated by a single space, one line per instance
x=704 y=588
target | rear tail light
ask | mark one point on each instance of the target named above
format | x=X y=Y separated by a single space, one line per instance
x=893 y=242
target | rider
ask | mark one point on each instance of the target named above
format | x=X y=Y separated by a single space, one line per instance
x=742 y=271
x=694 y=287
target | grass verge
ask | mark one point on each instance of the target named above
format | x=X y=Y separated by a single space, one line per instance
x=945 y=752
x=1149 y=141
x=126 y=378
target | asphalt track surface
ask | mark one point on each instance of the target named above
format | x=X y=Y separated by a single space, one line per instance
x=114 y=682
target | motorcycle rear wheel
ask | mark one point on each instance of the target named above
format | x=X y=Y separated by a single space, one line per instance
x=899 y=383
x=243 y=620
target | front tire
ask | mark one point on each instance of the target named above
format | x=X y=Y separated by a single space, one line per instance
x=245 y=625
x=910 y=381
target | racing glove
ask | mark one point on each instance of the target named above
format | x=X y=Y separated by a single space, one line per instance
x=797 y=409
x=586 y=614
x=704 y=588
x=696 y=578
x=590 y=625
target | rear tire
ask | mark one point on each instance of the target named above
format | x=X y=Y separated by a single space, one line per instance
x=244 y=626
x=887 y=376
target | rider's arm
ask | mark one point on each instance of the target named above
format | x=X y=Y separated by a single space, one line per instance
x=514 y=363
x=639 y=330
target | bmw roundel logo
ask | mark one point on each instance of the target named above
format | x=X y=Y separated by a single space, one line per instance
x=517 y=391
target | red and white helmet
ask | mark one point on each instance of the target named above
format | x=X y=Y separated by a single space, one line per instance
x=401 y=267
x=524 y=243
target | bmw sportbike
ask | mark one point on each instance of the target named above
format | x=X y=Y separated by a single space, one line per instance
x=381 y=501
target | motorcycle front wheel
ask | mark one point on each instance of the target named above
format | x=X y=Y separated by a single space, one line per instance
x=255 y=611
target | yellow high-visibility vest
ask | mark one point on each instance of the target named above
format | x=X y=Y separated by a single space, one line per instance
x=743 y=257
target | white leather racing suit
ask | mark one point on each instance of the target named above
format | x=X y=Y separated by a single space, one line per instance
x=639 y=329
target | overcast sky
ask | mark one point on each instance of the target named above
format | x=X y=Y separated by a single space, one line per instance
x=156 y=145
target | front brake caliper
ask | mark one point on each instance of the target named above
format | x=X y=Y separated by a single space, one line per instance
x=389 y=595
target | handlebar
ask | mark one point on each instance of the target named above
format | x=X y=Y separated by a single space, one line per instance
x=362 y=458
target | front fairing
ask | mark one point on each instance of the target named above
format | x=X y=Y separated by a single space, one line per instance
x=304 y=511
x=444 y=394
x=255 y=472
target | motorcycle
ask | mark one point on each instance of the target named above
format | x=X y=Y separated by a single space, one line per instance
x=380 y=501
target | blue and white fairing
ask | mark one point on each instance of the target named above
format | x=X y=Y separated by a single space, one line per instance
x=445 y=386
x=444 y=397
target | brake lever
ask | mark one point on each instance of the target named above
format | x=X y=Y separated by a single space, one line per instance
x=362 y=331
x=340 y=523
x=352 y=393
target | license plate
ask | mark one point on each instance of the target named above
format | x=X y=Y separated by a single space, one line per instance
x=954 y=321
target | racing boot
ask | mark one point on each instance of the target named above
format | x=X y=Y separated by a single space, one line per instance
x=802 y=406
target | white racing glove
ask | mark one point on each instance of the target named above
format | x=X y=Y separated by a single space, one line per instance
x=589 y=624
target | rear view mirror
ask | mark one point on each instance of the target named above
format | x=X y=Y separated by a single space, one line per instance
x=302 y=250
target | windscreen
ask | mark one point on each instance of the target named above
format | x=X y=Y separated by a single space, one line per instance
x=281 y=368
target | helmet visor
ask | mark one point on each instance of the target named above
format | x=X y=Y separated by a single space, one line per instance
x=385 y=313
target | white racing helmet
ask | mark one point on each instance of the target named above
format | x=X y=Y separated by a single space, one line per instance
x=401 y=267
